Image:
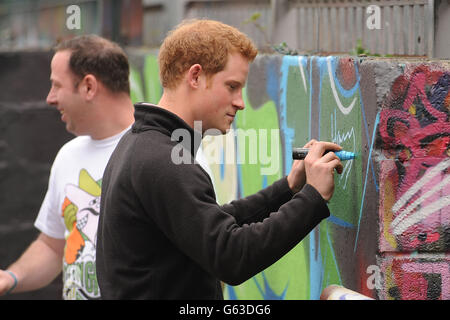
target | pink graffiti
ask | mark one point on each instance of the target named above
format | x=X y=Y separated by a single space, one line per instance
x=414 y=278
x=415 y=132
x=420 y=286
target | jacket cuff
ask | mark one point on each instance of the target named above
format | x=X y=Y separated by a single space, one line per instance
x=316 y=197
x=284 y=187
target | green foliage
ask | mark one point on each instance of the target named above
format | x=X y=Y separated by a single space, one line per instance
x=283 y=48
x=253 y=19
x=359 y=49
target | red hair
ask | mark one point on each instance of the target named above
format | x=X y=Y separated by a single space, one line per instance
x=206 y=42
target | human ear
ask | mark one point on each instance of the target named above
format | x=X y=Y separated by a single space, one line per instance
x=90 y=86
x=193 y=75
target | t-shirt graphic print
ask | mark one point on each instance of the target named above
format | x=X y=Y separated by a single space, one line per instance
x=80 y=210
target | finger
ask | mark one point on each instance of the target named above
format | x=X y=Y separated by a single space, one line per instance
x=327 y=157
x=331 y=146
x=331 y=157
x=318 y=149
x=296 y=163
x=310 y=143
x=337 y=165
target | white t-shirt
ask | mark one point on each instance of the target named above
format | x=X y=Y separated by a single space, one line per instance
x=71 y=208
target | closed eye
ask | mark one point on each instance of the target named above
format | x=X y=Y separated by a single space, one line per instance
x=234 y=85
x=55 y=84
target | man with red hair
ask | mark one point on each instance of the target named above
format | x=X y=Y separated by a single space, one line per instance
x=161 y=233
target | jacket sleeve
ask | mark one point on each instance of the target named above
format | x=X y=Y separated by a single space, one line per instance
x=258 y=206
x=181 y=202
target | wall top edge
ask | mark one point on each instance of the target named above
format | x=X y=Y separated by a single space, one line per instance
x=140 y=50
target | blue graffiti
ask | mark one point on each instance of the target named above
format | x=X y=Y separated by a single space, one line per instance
x=377 y=120
x=267 y=293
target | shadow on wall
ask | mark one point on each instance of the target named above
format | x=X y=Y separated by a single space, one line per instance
x=31 y=133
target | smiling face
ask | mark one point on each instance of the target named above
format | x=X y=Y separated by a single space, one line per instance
x=65 y=95
x=222 y=94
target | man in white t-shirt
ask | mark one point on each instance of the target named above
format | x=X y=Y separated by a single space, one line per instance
x=90 y=88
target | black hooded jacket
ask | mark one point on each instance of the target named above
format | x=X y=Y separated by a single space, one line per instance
x=161 y=233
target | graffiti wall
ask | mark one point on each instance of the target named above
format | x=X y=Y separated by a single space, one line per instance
x=389 y=230
x=414 y=143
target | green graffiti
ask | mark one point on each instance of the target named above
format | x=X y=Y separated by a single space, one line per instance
x=150 y=89
x=252 y=125
x=136 y=92
x=251 y=180
x=298 y=105
x=340 y=122
x=153 y=89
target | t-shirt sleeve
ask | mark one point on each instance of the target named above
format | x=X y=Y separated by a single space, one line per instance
x=49 y=219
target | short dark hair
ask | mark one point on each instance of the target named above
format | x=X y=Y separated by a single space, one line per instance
x=91 y=54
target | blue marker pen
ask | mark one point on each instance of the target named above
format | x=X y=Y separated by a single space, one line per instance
x=300 y=154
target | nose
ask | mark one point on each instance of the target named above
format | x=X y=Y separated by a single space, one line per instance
x=51 y=98
x=238 y=102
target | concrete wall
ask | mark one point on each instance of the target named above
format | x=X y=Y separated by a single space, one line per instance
x=388 y=233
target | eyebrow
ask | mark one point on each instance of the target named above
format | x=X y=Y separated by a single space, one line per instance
x=235 y=82
x=54 y=81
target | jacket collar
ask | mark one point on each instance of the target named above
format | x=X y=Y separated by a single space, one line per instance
x=151 y=117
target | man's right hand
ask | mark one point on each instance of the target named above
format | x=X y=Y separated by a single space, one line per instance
x=37 y=266
x=320 y=168
x=6 y=282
